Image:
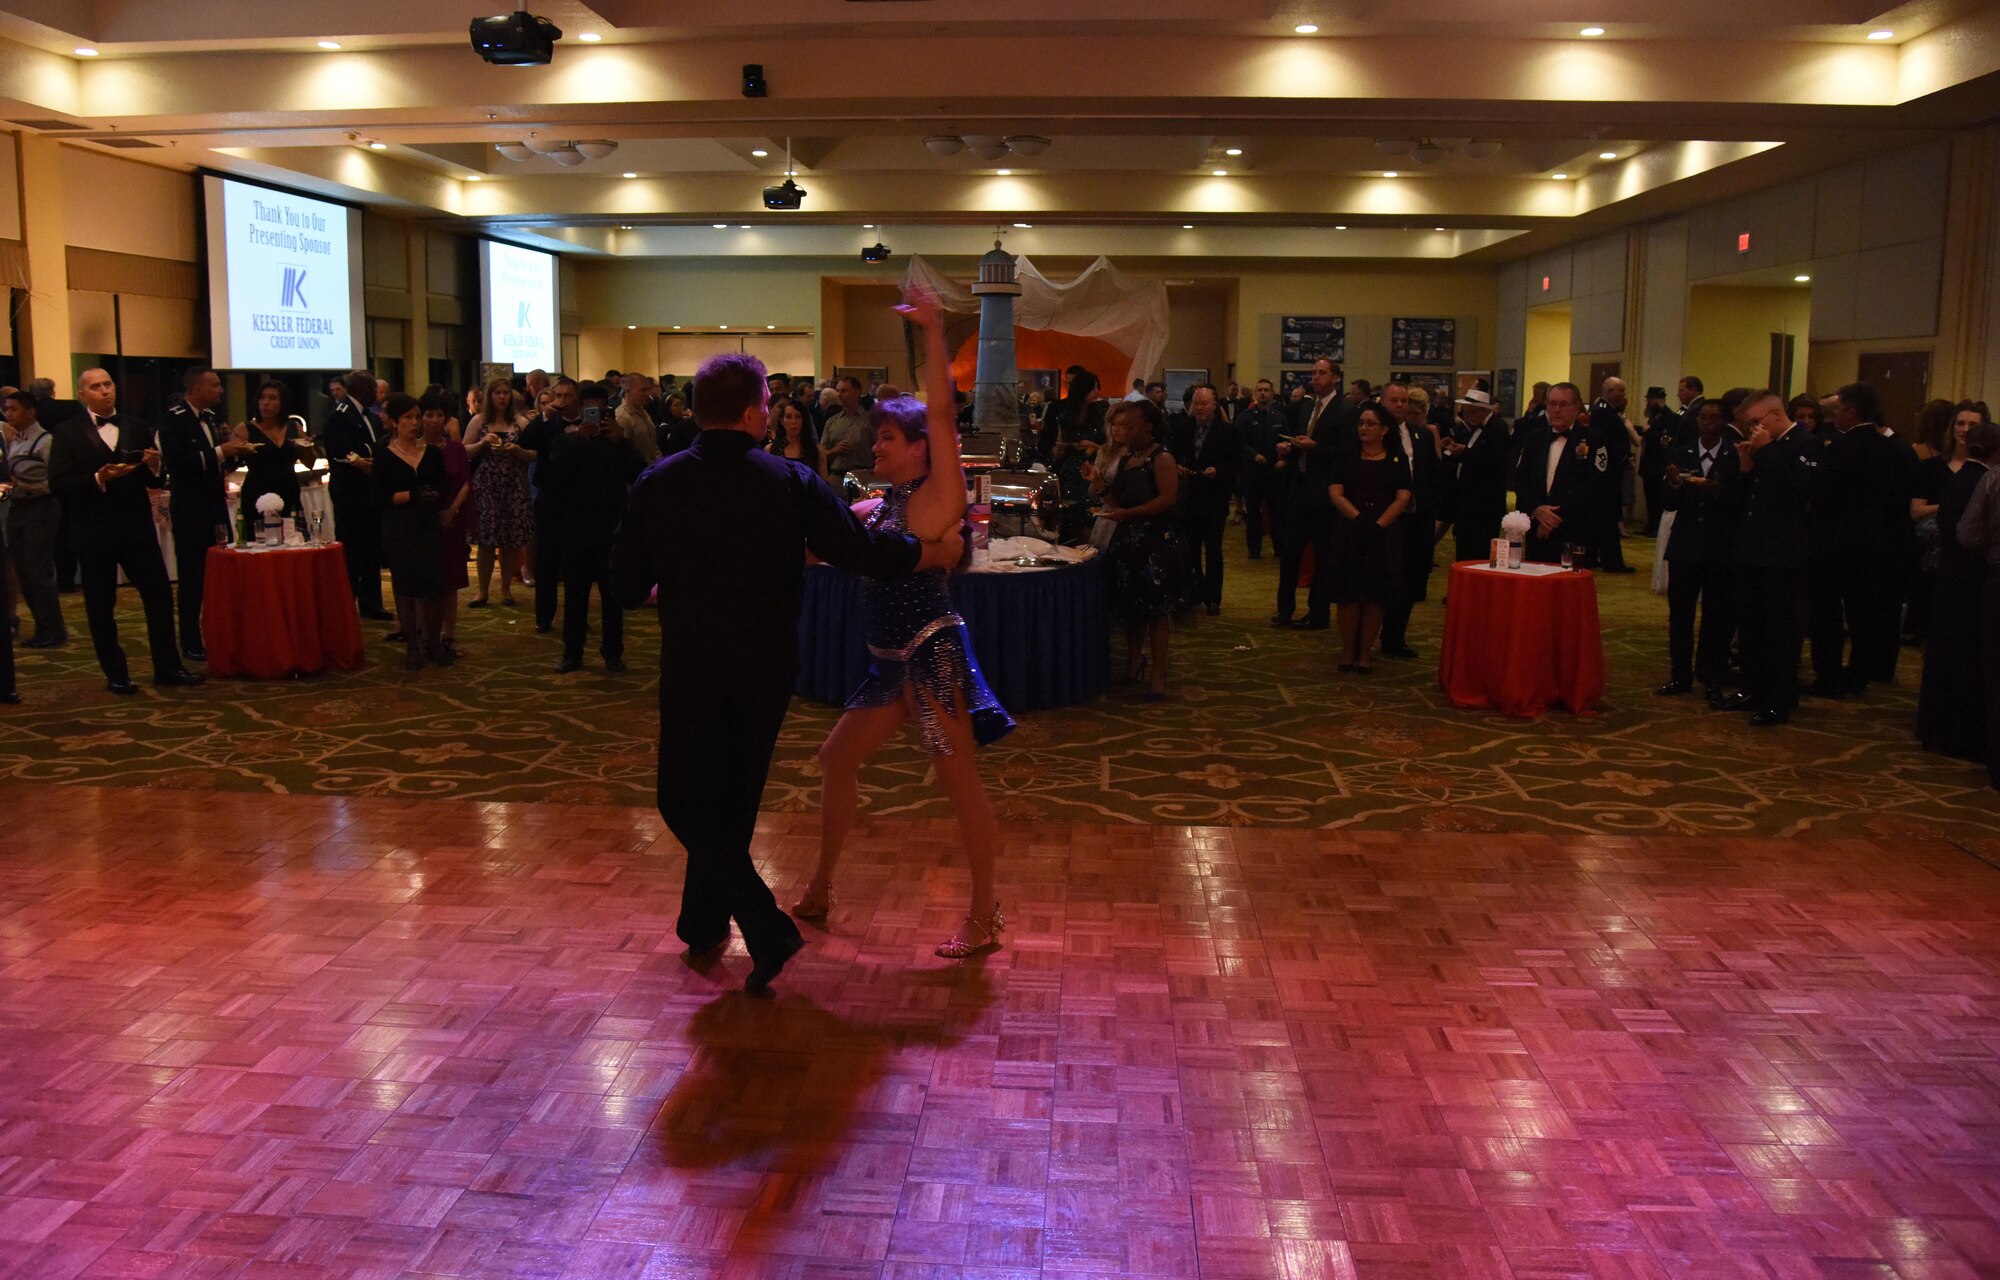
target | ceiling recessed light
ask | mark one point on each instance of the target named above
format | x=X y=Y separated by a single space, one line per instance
x=770 y=326
x=676 y=326
x=1872 y=35
x=378 y=146
x=624 y=226
x=1233 y=151
x=1391 y=173
x=474 y=177
x=590 y=37
x=1024 y=225
x=744 y=227
x=1801 y=279
x=1437 y=228
x=1219 y=173
x=631 y=326
x=867 y=226
x=1005 y=173
x=1559 y=175
x=329 y=44
x=1340 y=228
x=1306 y=28
x=1591 y=31
x=1187 y=226
x=1607 y=155
x=722 y=326
x=86 y=52
x=721 y=226
x=629 y=175
x=760 y=153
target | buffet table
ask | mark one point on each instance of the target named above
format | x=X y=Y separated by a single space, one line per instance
x=279 y=612
x=1522 y=640
x=1041 y=636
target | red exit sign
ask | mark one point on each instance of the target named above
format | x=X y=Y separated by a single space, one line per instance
x=1545 y=284
x=1743 y=242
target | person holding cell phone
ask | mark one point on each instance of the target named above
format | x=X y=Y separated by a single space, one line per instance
x=103 y=469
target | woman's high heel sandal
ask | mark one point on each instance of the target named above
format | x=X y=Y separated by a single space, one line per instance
x=811 y=908
x=954 y=949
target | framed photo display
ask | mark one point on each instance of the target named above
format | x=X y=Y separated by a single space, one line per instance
x=1414 y=340
x=1304 y=339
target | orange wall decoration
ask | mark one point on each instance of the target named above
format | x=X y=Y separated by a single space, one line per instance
x=1050 y=349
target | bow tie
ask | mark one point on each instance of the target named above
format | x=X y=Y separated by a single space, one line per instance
x=110 y=420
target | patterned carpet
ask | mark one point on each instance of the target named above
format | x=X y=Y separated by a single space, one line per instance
x=1260 y=731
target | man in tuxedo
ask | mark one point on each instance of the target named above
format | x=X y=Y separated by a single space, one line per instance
x=539 y=438
x=1607 y=420
x=198 y=451
x=1560 y=480
x=1304 y=469
x=1206 y=450
x=1474 y=474
x=1414 y=441
x=103 y=470
x=1536 y=415
x=1862 y=547
x=1259 y=427
x=722 y=530
x=587 y=473
x=1698 y=484
x=1688 y=391
x=1777 y=468
x=351 y=439
x=1656 y=446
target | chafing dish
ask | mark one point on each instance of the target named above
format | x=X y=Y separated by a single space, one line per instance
x=1026 y=503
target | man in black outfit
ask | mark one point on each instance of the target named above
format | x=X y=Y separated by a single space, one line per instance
x=198 y=451
x=1478 y=461
x=1206 y=449
x=1415 y=443
x=1607 y=419
x=350 y=440
x=1656 y=445
x=1259 y=428
x=103 y=470
x=1560 y=479
x=1861 y=518
x=1319 y=428
x=722 y=530
x=538 y=439
x=1699 y=484
x=590 y=470
x=1778 y=469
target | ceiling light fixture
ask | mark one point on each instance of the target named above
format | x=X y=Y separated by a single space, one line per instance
x=744 y=227
x=1187 y=226
x=1607 y=155
x=1883 y=34
x=676 y=326
x=624 y=226
x=770 y=326
x=759 y=152
x=1233 y=151
x=329 y=44
x=568 y=157
x=867 y=226
x=474 y=177
x=987 y=146
x=628 y=175
x=721 y=226
x=1307 y=28
x=1024 y=225
x=1591 y=31
x=1340 y=227
x=722 y=326
x=1801 y=279
x=1559 y=175
x=1005 y=173
x=378 y=146
x=1391 y=173
x=514 y=150
x=590 y=37
x=1218 y=173
x=86 y=52
x=631 y=326
x=596 y=148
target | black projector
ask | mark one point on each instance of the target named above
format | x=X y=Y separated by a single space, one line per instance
x=786 y=195
x=515 y=39
x=877 y=252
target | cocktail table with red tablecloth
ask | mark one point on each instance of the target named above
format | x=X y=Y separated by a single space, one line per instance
x=282 y=612
x=1521 y=641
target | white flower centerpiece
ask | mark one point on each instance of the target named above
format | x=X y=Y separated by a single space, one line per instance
x=272 y=507
x=1515 y=524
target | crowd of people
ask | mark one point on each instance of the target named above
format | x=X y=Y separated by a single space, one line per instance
x=1843 y=545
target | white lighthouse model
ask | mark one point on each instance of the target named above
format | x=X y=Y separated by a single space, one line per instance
x=996 y=395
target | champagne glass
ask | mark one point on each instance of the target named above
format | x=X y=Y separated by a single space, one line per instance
x=318 y=523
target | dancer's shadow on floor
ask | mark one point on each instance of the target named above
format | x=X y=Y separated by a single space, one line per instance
x=781 y=1085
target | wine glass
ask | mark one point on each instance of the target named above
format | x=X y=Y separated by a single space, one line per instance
x=318 y=523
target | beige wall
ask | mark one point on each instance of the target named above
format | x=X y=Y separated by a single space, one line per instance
x=1547 y=353
x=10 y=188
x=127 y=207
x=1201 y=335
x=1729 y=328
x=1369 y=297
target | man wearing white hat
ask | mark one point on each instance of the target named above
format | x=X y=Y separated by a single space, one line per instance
x=1476 y=465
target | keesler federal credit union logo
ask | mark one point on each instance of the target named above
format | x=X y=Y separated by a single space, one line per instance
x=525 y=317
x=293 y=290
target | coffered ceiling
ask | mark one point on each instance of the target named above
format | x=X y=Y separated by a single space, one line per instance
x=1140 y=104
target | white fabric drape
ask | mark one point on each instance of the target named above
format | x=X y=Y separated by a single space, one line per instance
x=1102 y=302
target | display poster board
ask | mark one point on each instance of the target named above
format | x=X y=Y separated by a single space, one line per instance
x=521 y=311
x=1417 y=340
x=1507 y=392
x=1436 y=385
x=1289 y=378
x=1304 y=339
x=1178 y=381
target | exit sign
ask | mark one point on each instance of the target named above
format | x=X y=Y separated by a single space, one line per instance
x=1743 y=242
x=1545 y=284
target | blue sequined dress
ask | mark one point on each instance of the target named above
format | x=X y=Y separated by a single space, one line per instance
x=918 y=641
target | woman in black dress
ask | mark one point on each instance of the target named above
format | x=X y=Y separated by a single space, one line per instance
x=1139 y=483
x=1370 y=491
x=1951 y=709
x=409 y=483
x=278 y=443
x=1072 y=433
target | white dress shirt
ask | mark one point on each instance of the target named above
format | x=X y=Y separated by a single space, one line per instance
x=1556 y=447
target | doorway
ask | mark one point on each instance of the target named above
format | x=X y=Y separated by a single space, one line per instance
x=1902 y=381
x=1548 y=345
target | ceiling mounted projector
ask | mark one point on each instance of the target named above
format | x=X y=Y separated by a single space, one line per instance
x=786 y=195
x=877 y=252
x=517 y=39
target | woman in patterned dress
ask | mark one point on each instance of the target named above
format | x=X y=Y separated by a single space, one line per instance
x=504 y=520
x=924 y=669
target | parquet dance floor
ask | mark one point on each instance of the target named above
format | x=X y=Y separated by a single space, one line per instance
x=297 y=1037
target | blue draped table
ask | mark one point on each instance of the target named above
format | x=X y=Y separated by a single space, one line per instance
x=1042 y=638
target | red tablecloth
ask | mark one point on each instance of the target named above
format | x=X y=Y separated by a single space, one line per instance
x=279 y=613
x=1519 y=643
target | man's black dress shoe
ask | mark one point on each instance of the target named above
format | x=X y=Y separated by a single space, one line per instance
x=1313 y=624
x=568 y=665
x=123 y=688
x=1214 y=609
x=766 y=969
x=183 y=677
x=44 y=642
x=1281 y=622
x=1735 y=702
x=10 y=699
x=1398 y=651
x=1767 y=717
x=378 y=615
x=614 y=665
x=194 y=651
x=1674 y=688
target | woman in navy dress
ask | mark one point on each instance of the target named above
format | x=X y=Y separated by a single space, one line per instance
x=924 y=669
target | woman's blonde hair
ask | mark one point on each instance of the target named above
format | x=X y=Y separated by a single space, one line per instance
x=486 y=409
x=1420 y=397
